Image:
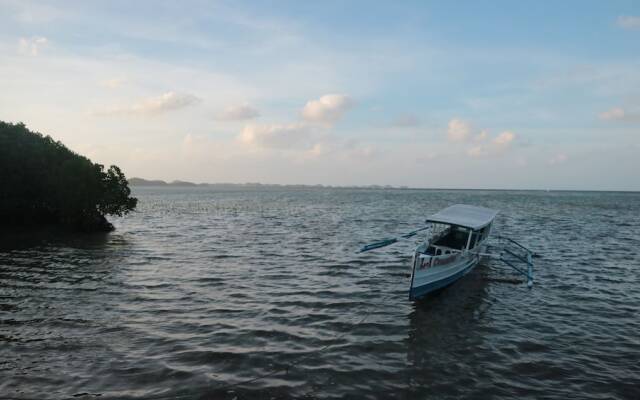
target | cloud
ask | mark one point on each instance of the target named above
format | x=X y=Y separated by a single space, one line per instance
x=628 y=22
x=481 y=143
x=166 y=102
x=31 y=46
x=278 y=136
x=614 y=113
x=619 y=114
x=496 y=146
x=305 y=142
x=405 y=121
x=458 y=130
x=238 y=113
x=504 y=139
x=478 y=151
x=318 y=150
x=327 y=109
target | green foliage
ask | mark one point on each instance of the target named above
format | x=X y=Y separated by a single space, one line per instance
x=42 y=181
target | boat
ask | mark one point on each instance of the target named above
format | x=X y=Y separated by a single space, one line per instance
x=458 y=236
x=456 y=241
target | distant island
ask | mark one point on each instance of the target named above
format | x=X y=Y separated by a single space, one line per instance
x=145 y=182
x=42 y=182
x=161 y=183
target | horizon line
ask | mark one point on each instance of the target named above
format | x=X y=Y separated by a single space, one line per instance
x=184 y=183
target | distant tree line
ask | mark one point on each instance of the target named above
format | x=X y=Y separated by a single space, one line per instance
x=42 y=182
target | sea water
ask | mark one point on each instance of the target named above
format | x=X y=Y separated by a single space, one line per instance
x=259 y=293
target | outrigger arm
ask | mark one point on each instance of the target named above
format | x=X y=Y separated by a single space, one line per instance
x=390 y=241
x=526 y=258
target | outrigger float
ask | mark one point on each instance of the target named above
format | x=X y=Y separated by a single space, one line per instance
x=455 y=243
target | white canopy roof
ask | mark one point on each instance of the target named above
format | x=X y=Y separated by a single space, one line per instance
x=464 y=215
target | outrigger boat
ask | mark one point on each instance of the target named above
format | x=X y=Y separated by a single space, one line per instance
x=455 y=243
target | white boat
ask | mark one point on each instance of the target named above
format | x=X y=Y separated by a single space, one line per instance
x=457 y=239
x=455 y=243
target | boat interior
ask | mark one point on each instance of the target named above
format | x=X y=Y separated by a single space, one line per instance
x=453 y=239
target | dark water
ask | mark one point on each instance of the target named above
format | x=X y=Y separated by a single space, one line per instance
x=200 y=290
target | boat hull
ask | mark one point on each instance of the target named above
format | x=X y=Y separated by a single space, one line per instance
x=425 y=281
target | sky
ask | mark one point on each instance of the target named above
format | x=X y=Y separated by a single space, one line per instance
x=433 y=94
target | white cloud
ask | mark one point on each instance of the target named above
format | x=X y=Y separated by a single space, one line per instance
x=629 y=22
x=304 y=142
x=327 y=148
x=166 y=102
x=619 y=114
x=481 y=144
x=318 y=150
x=327 y=109
x=458 y=130
x=31 y=46
x=239 y=113
x=278 y=136
x=478 y=151
x=504 y=139
x=496 y=146
x=614 y=113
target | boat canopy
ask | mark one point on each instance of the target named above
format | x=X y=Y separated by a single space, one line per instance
x=467 y=216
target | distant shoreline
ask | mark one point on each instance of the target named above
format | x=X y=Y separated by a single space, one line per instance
x=161 y=183
x=140 y=182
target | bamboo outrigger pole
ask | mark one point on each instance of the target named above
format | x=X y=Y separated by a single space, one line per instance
x=390 y=241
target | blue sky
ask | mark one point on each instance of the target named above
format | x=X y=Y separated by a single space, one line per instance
x=469 y=94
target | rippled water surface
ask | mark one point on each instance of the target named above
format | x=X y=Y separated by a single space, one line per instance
x=260 y=294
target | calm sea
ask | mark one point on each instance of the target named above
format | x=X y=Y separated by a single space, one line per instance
x=260 y=294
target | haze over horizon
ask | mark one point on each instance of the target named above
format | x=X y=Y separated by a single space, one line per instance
x=418 y=94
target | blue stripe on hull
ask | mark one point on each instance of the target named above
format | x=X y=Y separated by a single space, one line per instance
x=419 y=291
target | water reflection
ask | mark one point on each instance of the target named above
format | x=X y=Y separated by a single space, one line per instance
x=58 y=301
x=24 y=239
x=439 y=335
